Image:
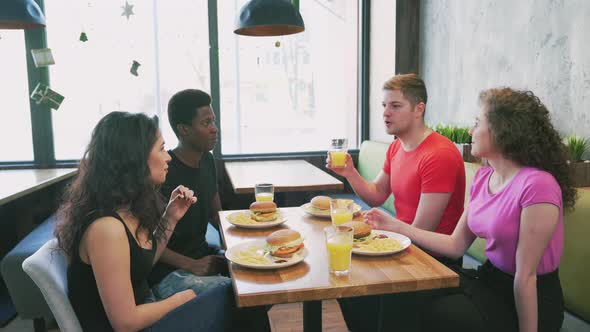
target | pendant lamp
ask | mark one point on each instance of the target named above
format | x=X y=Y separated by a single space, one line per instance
x=20 y=14
x=269 y=18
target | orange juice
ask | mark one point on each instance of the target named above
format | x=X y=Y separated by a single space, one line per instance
x=264 y=197
x=339 y=254
x=340 y=216
x=338 y=158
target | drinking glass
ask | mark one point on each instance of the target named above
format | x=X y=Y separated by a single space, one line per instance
x=341 y=211
x=338 y=150
x=339 y=241
x=264 y=192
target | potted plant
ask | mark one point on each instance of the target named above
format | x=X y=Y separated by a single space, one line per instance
x=580 y=169
x=460 y=136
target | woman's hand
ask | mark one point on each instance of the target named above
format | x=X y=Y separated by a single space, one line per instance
x=180 y=200
x=379 y=219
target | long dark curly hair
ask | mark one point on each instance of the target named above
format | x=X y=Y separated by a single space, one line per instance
x=113 y=174
x=521 y=128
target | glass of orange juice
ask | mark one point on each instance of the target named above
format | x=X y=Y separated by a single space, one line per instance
x=264 y=192
x=338 y=151
x=341 y=211
x=339 y=241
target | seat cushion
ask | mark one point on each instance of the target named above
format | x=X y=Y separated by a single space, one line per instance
x=573 y=269
x=25 y=295
x=371 y=159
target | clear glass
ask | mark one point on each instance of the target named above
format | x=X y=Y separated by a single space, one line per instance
x=264 y=192
x=341 y=211
x=339 y=240
x=169 y=39
x=338 y=150
x=302 y=87
x=15 y=127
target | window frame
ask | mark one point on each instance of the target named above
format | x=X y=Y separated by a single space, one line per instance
x=41 y=116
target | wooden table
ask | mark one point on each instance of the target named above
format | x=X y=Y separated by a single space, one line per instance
x=285 y=175
x=310 y=281
x=17 y=183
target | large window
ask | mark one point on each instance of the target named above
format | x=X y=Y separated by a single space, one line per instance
x=276 y=94
x=15 y=128
x=168 y=39
x=290 y=93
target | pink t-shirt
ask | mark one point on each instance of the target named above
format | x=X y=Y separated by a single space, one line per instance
x=496 y=217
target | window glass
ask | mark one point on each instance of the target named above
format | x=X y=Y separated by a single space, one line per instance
x=290 y=93
x=15 y=127
x=163 y=42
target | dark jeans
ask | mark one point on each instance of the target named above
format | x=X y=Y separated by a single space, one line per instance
x=210 y=311
x=485 y=302
x=365 y=313
x=244 y=319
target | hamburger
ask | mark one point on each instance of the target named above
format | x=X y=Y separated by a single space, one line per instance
x=263 y=211
x=362 y=231
x=321 y=203
x=284 y=243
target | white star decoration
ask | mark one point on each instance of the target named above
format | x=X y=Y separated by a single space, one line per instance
x=127 y=10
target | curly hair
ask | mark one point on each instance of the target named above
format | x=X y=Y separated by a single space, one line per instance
x=113 y=174
x=521 y=128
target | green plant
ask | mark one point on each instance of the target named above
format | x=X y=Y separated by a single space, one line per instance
x=462 y=135
x=577 y=146
x=459 y=135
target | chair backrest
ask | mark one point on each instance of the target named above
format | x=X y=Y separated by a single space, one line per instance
x=48 y=269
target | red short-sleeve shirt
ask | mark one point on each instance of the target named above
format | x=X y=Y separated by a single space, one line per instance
x=435 y=166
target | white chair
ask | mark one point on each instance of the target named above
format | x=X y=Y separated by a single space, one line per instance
x=48 y=269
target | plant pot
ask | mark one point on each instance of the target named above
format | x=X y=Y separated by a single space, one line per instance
x=465 y=151
x=580 y=173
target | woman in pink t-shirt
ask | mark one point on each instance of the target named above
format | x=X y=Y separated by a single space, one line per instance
x=517 y=205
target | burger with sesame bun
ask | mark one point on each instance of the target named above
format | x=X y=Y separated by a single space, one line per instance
x=284 y=243
x=263 y=211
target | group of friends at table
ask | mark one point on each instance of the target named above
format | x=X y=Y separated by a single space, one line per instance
x=139 y=263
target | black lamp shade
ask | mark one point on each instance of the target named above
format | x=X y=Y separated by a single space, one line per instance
x=20 y=14
x=269 y=18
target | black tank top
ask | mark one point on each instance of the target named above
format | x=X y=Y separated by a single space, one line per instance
x=83 y=292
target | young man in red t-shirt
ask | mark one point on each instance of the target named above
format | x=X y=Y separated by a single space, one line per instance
x=423 y=170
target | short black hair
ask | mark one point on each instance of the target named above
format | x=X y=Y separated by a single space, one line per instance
x=182 y=106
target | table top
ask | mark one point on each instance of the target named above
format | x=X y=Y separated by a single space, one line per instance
x=410 y=270
x=19 y=182
x=285 y=175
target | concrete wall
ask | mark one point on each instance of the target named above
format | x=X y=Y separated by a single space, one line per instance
x=541 y=45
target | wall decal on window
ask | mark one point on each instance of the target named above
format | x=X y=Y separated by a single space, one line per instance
x=44 y=95
x=42 y=57
x=134 y=68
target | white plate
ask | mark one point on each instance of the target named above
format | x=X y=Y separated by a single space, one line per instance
x=258 y=224
x=232 y=253
x=404 y=240
x=324 y=213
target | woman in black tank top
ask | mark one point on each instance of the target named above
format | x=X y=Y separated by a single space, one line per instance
x=113 y=225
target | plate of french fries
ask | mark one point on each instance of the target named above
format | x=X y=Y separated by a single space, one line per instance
x=380 y=243
x=244 y=219
x=253 y=254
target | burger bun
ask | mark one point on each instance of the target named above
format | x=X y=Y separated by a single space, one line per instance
x=360 y=228
x=321 y=202
x=284 y=243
